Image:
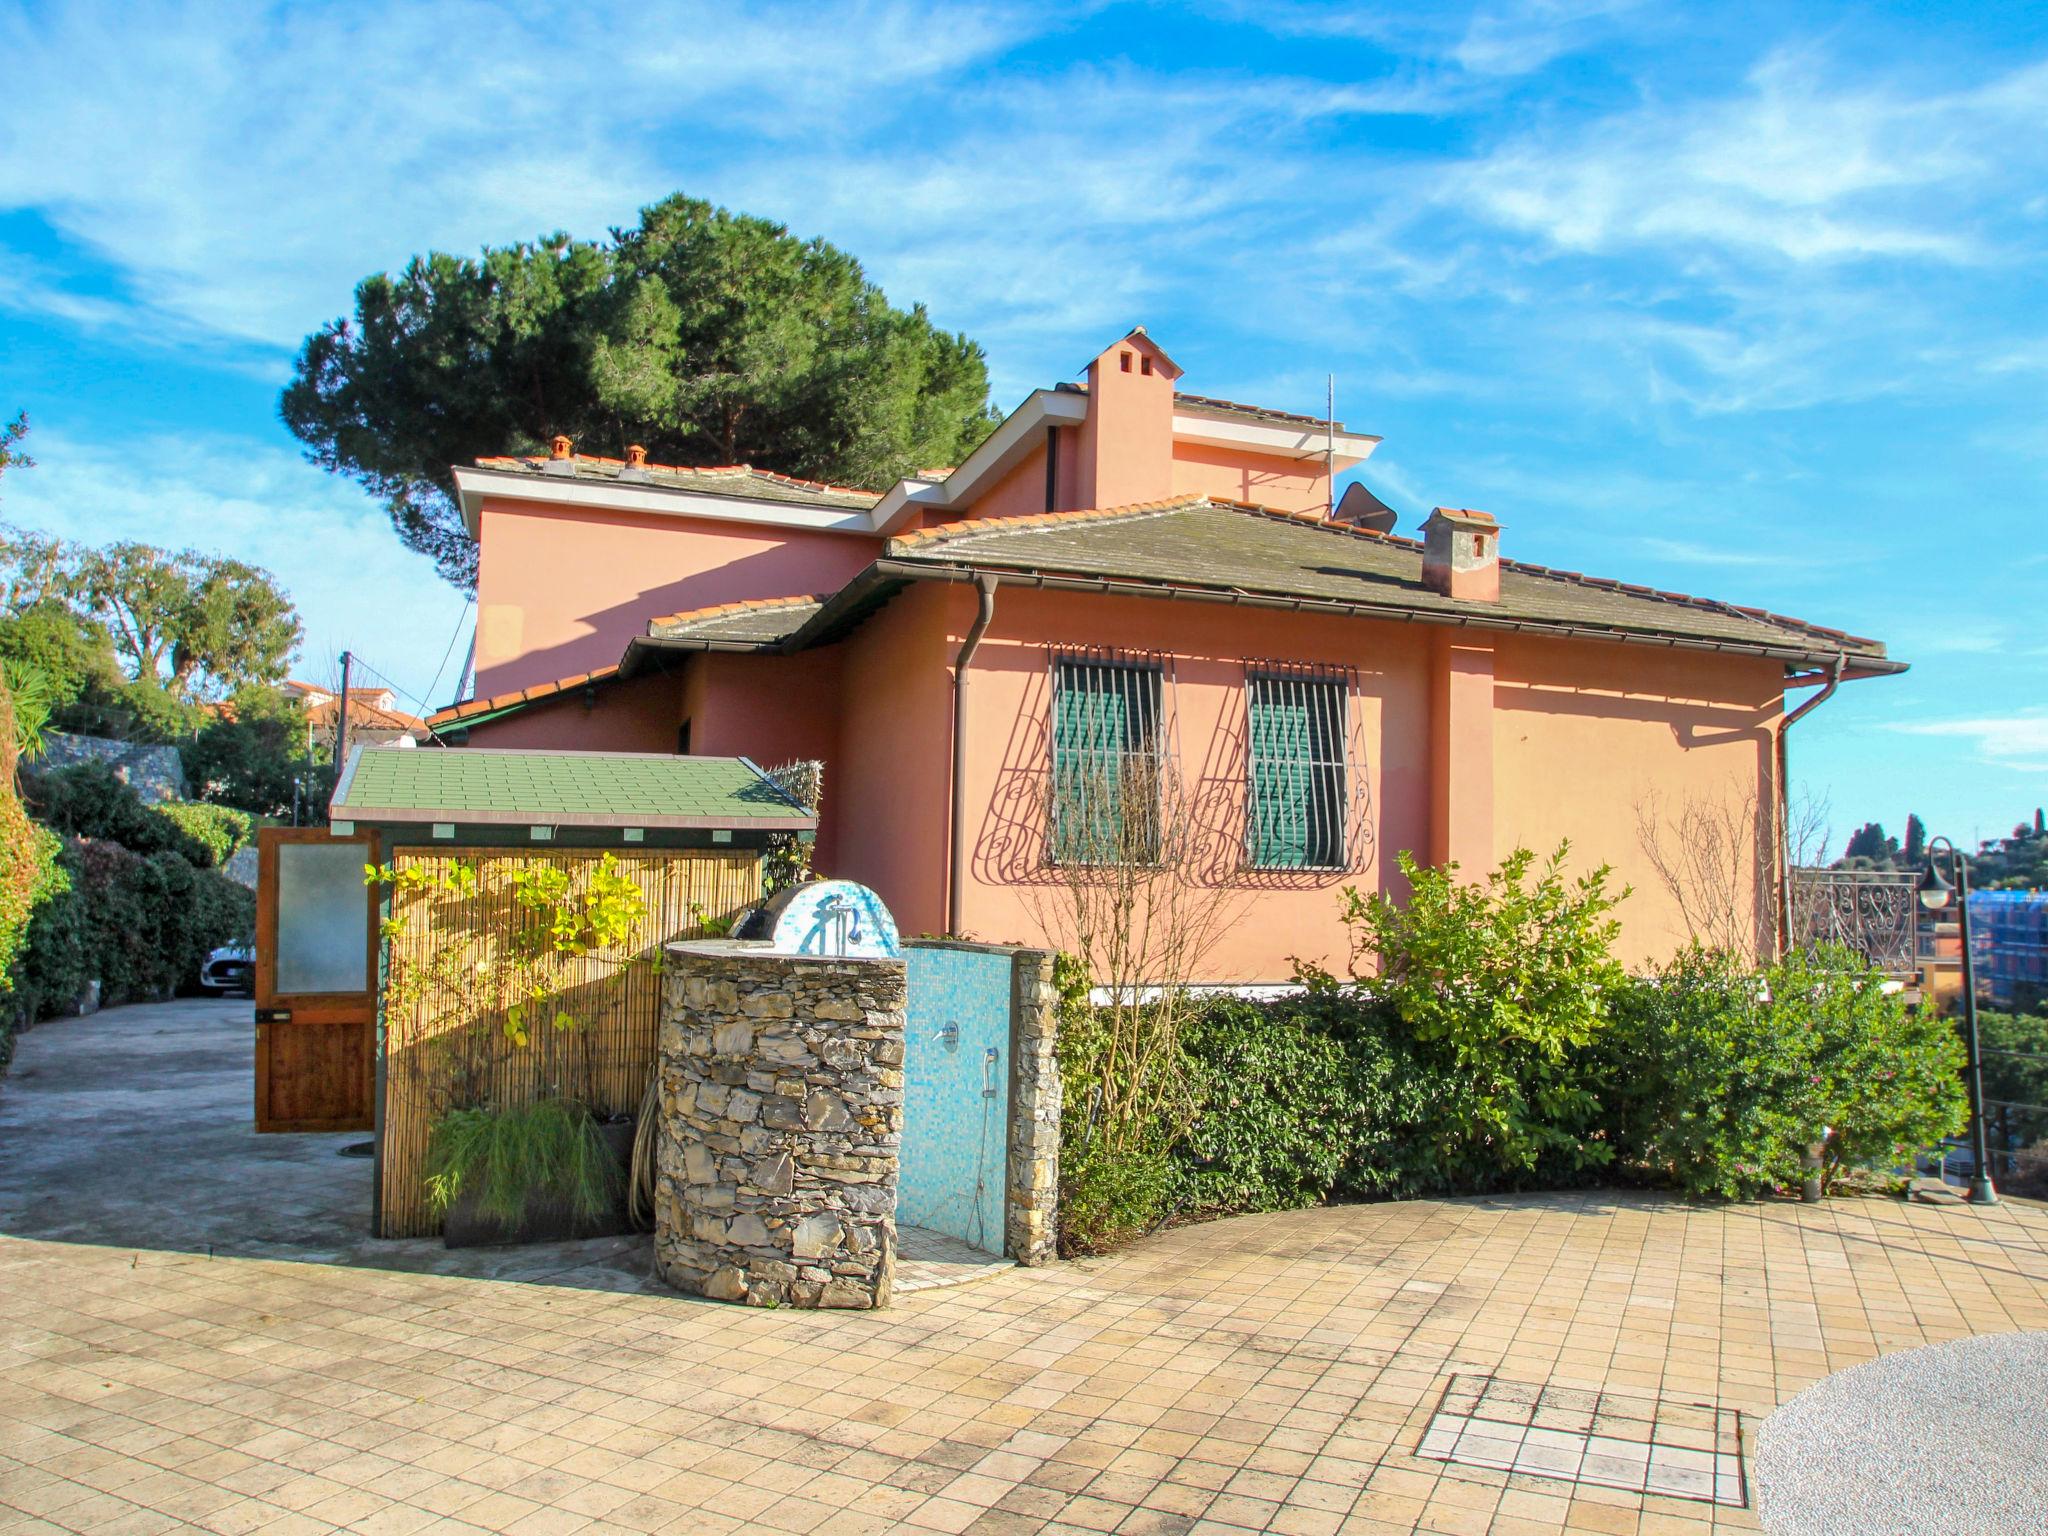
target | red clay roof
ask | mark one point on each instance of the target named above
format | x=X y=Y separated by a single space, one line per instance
x=721 y=610
x=361 y=712
x=529 y=462
x=469 y=709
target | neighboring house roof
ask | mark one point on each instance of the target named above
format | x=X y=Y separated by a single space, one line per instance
x=741 y=480
x=1231 y=549
x=489 y=786
x=364 y=714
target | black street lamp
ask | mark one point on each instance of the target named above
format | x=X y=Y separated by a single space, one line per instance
x=1935 y=895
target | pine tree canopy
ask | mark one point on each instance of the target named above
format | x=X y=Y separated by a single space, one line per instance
x=705 y=336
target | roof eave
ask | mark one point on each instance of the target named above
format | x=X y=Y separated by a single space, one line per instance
x=476 y=484
x=894 y=573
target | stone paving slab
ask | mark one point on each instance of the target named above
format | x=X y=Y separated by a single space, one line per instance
x=1270 y=1373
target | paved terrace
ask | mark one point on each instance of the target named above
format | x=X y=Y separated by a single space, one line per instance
x=1267 y=1373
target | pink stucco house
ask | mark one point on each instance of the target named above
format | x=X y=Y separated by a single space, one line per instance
x=1127 y=572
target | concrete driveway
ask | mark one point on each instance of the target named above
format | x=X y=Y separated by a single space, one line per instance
x=1268 y=1373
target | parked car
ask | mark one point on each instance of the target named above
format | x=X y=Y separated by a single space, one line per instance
x=230 y=969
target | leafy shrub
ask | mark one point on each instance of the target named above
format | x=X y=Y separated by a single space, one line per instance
x=139 y=925
x=1700 y=1087
x=91 y=800
x=1719 y=1080
x=1887 y=1080
x=1114 y=1179
x=2015 y=1047
x=1279 y=1111
x=1497 y=984
x=550 y=1150
x=221 y=831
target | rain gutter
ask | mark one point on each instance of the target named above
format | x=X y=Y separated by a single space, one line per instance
x=956 y=882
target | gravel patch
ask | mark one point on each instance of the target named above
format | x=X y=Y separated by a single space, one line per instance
x=1944 y=1440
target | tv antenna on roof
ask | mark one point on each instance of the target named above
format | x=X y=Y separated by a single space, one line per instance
x=1330 y=445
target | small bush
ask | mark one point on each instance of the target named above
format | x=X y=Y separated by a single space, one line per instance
x=1497 y=984
x=220 y=831
x=1700 y=1088
x=551 y=1150
x=1114 y=1180
x=1718 y=1079
x=90 y=800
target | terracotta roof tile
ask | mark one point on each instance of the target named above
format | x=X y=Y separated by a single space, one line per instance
x=469 y=709
x=710 y=479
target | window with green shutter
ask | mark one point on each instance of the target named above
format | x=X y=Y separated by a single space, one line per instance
x=1106 y=759
x=1297 y=790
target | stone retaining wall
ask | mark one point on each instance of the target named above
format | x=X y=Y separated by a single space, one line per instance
x=782 y=1113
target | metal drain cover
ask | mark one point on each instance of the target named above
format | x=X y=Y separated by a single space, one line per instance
x=1608 y=1439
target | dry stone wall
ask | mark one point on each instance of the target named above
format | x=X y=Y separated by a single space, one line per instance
x=782 y=1115
x=1030 y=1235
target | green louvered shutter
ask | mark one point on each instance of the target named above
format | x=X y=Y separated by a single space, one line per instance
x=1296 y=810
x=1103 y=731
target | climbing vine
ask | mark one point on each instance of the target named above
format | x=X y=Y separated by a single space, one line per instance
x=540 y=949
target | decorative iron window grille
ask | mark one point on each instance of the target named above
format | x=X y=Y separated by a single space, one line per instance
x=1873 y=912
x=1110 y=758
x=1297 y=788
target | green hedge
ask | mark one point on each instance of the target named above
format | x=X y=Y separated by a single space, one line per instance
x=139 y=924
x=129 y=894
x=1711 y=1078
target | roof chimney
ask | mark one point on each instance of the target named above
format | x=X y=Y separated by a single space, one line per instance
x=1461 y=555
x=636 y=464
x=561 y=460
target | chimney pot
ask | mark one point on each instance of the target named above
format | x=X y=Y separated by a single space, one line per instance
x=1461 y=555
x=561 y=445
x=636 y=455
x=562 y=460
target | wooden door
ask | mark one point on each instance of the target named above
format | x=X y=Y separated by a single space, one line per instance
x=316 y=981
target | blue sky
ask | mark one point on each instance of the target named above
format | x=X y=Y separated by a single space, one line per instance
x=1748 y=301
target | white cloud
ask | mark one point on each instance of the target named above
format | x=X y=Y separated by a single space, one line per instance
x=1689 y=552
x=1801 y=166
x=2018 y=740
x=243 y=169
x=331 y=547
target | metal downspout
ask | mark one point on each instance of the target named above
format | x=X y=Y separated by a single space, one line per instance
x=1784 y=838
x=956 y=880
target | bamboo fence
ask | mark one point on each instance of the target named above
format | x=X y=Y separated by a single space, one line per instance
x=452 y=1050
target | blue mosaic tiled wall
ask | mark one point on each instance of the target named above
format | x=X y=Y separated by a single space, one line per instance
x=956 y=1094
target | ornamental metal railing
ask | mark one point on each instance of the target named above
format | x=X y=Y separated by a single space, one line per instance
x=1874 y=912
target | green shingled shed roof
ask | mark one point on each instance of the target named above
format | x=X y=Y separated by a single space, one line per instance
x=571 y=789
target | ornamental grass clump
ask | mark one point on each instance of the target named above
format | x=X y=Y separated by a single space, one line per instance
x=510 y=1159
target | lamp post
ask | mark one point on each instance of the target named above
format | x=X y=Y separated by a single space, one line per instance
x=1935 y=895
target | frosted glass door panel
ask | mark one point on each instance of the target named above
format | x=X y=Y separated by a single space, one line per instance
x=323 y=919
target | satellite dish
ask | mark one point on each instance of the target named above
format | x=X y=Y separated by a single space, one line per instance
x=1361 y=509
x=835 y=919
